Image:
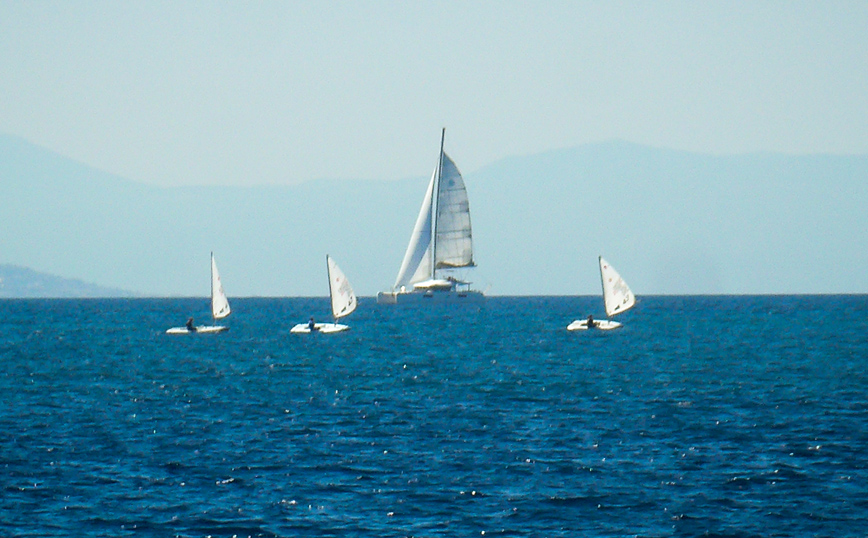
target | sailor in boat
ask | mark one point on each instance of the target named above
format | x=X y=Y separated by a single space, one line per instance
x=591 y=322
x=190 y=326
x=311 y=325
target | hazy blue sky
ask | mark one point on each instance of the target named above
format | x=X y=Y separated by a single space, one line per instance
x=177 y=93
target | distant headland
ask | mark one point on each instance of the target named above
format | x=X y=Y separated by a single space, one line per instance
x=18 y=282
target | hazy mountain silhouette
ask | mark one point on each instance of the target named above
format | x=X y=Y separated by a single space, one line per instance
x=669 y=221
x=22 y=282
x=675 y=222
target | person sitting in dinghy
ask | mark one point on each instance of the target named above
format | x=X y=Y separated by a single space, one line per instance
x=311 y=325
x=591 y=322
x=190 y=326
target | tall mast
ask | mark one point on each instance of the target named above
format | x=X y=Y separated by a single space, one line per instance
x=212 y=288
x=329 y=274
x=435 y=203
x=603 y=285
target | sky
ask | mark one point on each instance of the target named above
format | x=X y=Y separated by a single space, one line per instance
x=249 y=93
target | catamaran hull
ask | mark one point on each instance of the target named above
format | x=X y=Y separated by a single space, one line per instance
x=325 y=328
x=603 y=325
x=430 y=297
x=205 y=329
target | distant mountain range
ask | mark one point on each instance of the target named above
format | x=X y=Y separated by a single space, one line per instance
x=670 y=221
x=22 y=282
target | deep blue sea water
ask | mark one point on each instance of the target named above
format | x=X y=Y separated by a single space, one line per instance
x=721 y=416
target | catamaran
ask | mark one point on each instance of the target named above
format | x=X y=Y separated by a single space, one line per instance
x=343 y=302
x=441 y=241
x=219 y=307
x=617 y=298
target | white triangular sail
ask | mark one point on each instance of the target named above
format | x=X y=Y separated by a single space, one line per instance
x=219 y=302
x=616 y=294
x=416 y=266
x=342 y=295
x=452 y=244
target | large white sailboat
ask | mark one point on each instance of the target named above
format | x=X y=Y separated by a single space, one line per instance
x=617 y=298
x=219 y=307
x=441 y=241
x=343 y=302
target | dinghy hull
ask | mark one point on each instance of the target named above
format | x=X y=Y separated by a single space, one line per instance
x=325 y=328
x=205 y=329
x=603 y=325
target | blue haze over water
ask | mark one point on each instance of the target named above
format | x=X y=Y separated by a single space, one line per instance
x=726 y=416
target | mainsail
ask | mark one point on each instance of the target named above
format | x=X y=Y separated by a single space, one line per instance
x=445 y=218
x=616 y=294
x=453 y=245
x=219 y=302
x=342 y=295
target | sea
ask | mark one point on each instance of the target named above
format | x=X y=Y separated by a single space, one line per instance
x=701 y=416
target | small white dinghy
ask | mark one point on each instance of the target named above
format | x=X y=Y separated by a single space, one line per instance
x=343 y=303
x=219 y=307
x=617 y=298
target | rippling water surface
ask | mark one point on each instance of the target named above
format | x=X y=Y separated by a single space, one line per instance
x=727 y=416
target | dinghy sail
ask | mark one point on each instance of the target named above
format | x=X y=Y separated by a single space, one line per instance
x=617 y=298
x=343 y=297
x=442 y=240
x=219 y=303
